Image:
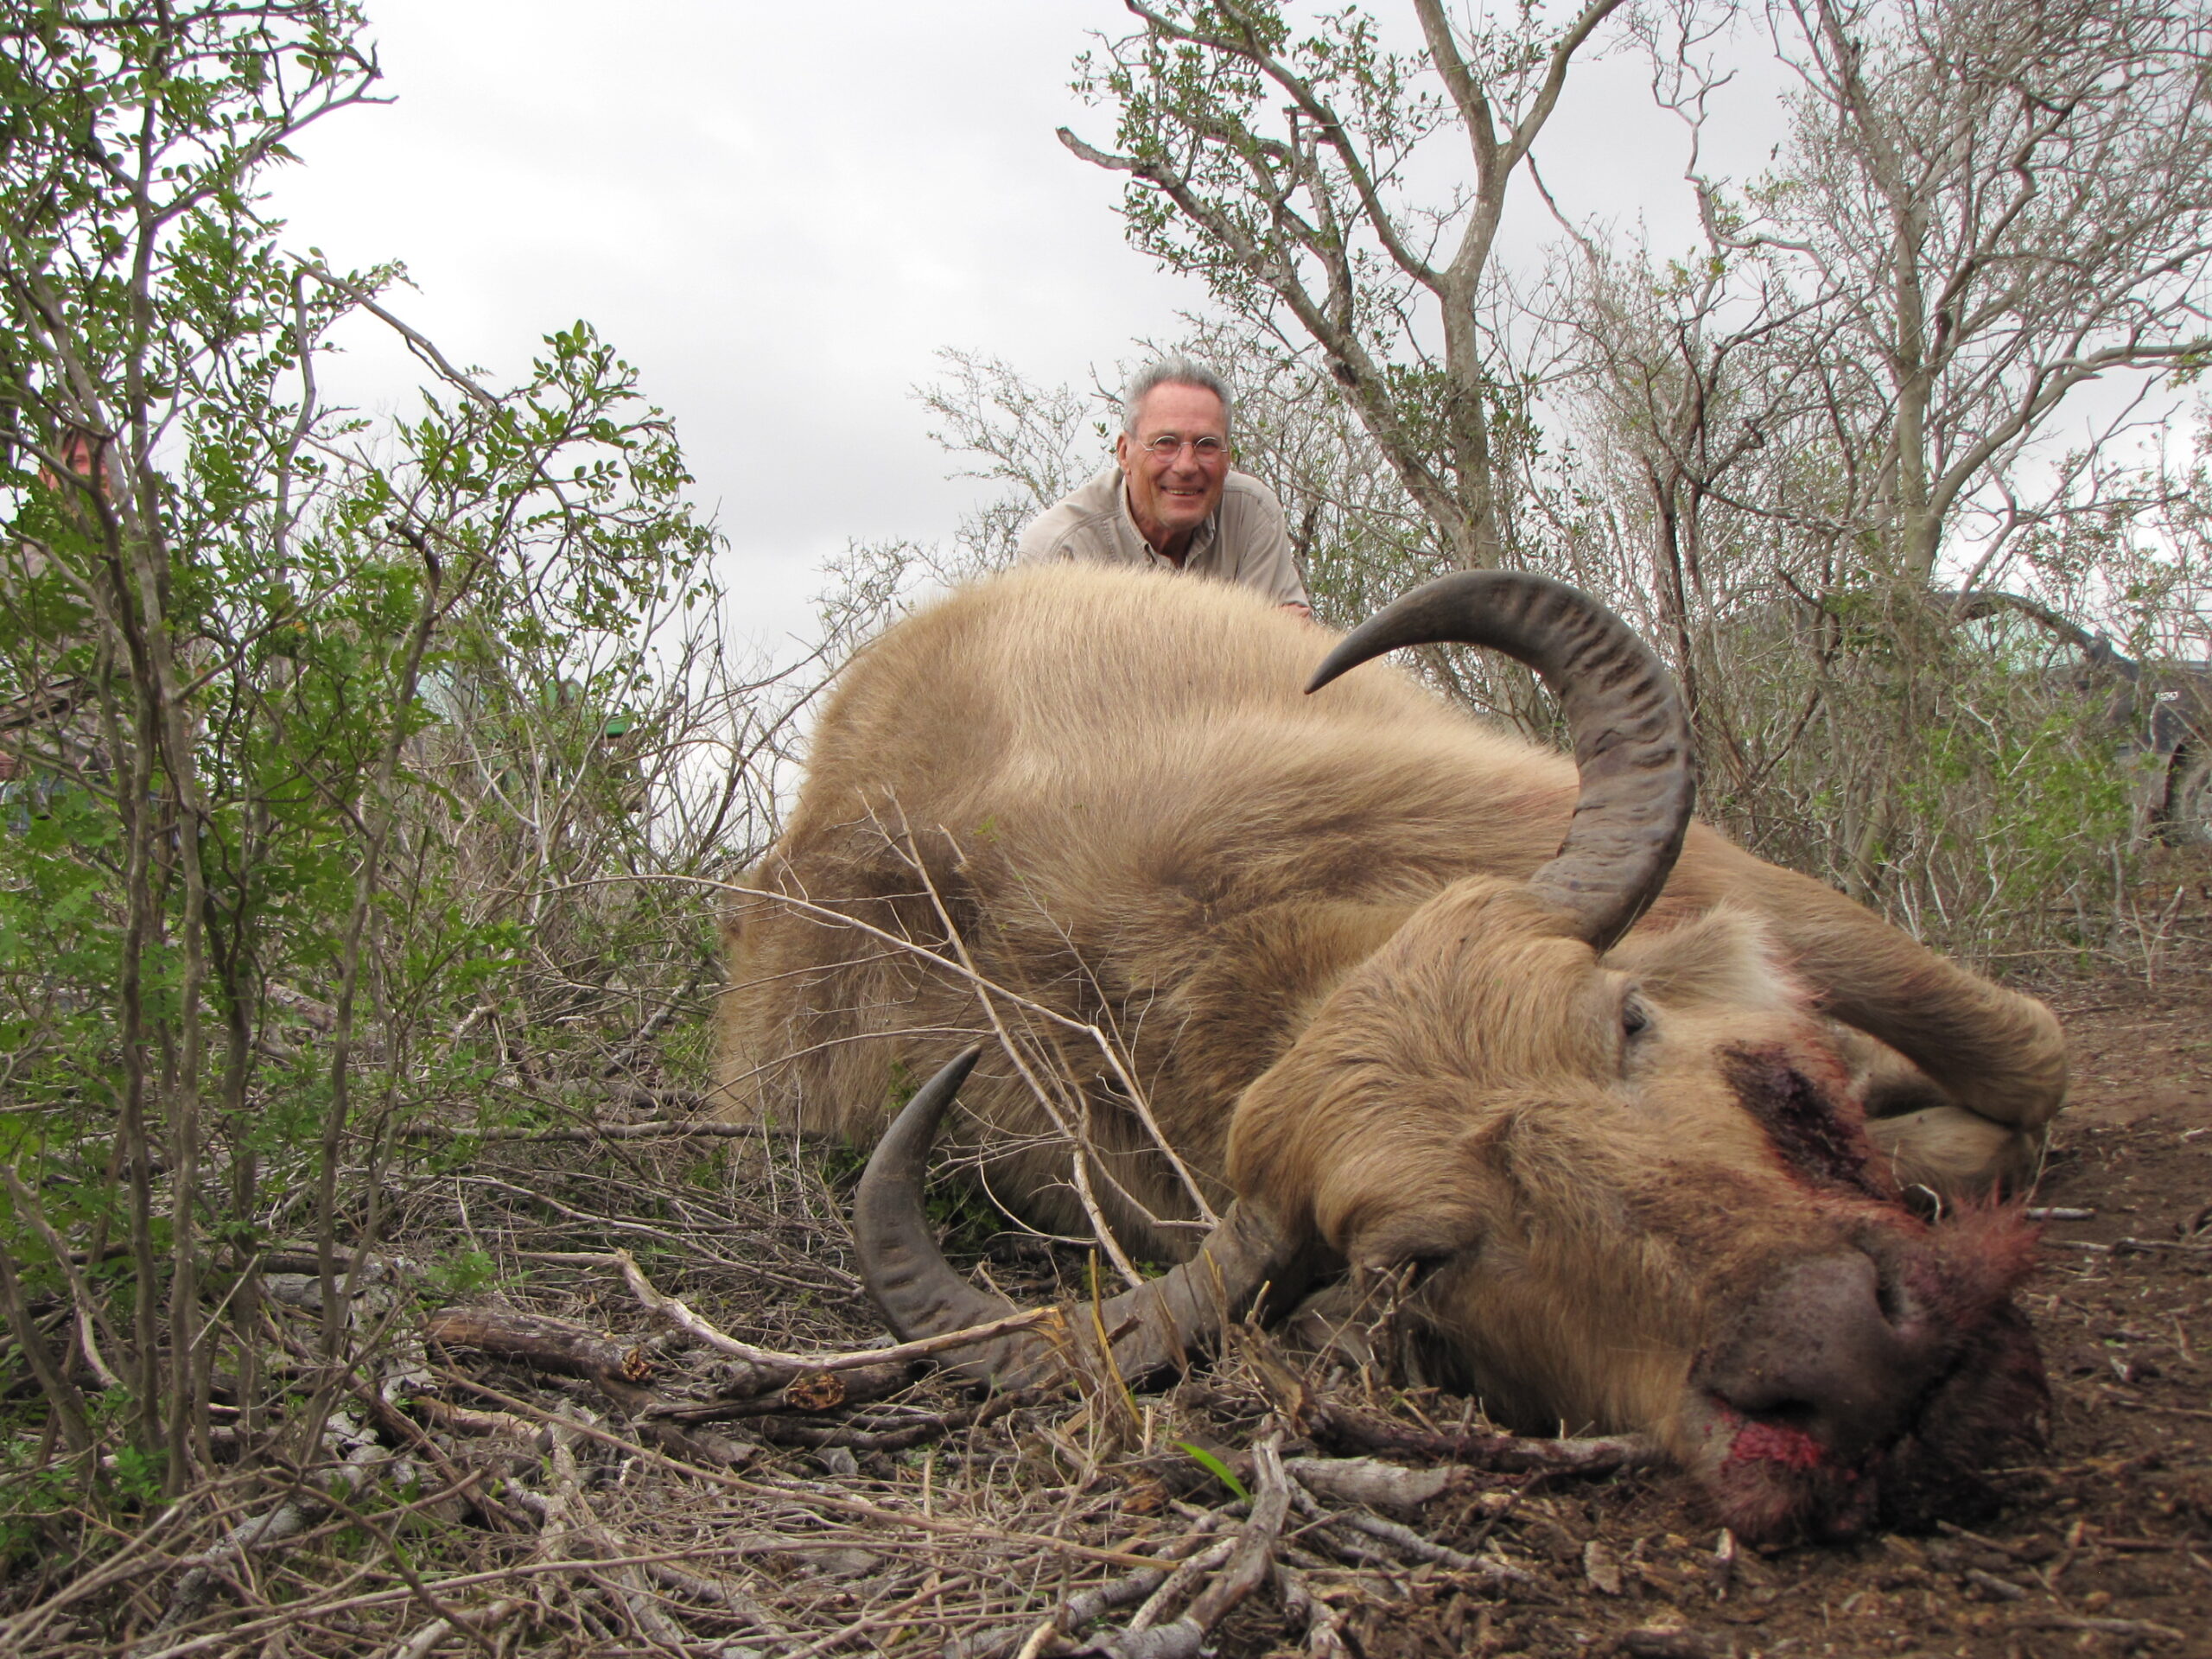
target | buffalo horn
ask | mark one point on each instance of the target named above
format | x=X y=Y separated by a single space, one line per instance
x=1631 y=741
x=921 y=1296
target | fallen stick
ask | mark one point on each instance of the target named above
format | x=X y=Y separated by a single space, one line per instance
x=549 y=1345
x=1500 y=1453
x=1370 y=1481
x=567 y=1515
x=266 y=1531
x=1171 y=1588
x=1672 y=1642
x=675 y=1129
x=1492 y=1574
x=882 y=1618
x=1403 y=1543
x=15 y=1635
x=466 y=1420
x=814 y=1391
x=777 y=1432
x=1081 y=1608
x=1250 y=1565
x=2028 y=1553
x=676 y=1312
x=418 y=1645
x=1325 y=1635
x=721 y=1594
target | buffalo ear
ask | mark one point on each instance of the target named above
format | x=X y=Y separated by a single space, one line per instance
x=1955 y=1154
x=1725 y=956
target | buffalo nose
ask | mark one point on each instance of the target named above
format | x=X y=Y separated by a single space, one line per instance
x=1833 y=1349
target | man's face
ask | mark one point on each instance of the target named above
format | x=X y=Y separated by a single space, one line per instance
x=1171 y=492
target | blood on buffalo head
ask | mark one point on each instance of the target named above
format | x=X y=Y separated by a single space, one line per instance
x=1628 y=1179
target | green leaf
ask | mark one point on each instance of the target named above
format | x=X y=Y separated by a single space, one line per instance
x=1214 y=1466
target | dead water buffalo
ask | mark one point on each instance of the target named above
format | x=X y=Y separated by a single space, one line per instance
x=1424 y=1002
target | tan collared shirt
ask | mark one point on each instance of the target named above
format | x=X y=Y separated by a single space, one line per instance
x=1243 y=540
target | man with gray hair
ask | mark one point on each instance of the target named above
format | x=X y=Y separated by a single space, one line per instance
x=1170 y=501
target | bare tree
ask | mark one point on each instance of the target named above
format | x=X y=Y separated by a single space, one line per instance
x=1275 y=163
x=2007 y=202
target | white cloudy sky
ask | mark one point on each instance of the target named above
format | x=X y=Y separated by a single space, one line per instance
x=780 y=213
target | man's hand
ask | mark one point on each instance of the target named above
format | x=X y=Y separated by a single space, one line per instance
x=1306 y=611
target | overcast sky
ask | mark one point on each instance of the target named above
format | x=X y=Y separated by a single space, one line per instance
x=780 y=214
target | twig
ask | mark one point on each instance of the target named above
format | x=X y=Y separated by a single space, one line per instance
x=1497 y=1575
x=1406 y=1544
x=878 y=1619
x=810 y=1391
x=1171 y=1588
x=628 y=1054
x=1080 y=1609
x=278 y=1526
x=1672 y=1642
x=1372 y=1482
x=2122 y=1401
x=1506 y=1453
x=418 y=1645
x=1325 y=1636
x=565 y=1512
x=464 y=1419
x=550 y=1344
x=1250 y=1565
x=1080 y=1162
x=721 y=1594
x=2018 y=1552
x=675 y=1129
x=15 y=1635
x=291 y=1613
x=927 y=1428
x=788 y=1365
x=87 y=1310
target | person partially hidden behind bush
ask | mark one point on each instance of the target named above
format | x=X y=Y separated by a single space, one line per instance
x=1170 y=500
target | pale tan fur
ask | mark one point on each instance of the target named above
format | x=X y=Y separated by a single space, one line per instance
x=1304 y=919
x=1117 y=787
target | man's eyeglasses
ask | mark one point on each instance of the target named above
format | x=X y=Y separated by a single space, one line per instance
x=1167 y=446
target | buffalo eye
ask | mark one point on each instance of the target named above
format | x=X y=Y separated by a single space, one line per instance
x=1636 y=1018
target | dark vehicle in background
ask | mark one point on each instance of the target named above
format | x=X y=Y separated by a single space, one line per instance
x=2162 y=710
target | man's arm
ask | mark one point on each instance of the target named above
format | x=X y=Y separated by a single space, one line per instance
x=1264 y=560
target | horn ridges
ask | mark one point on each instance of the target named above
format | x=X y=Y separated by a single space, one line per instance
x=1631 y=738
x=1150 y=1327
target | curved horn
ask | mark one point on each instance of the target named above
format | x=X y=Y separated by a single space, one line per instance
x=1631 y=740
x=922 y=1296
